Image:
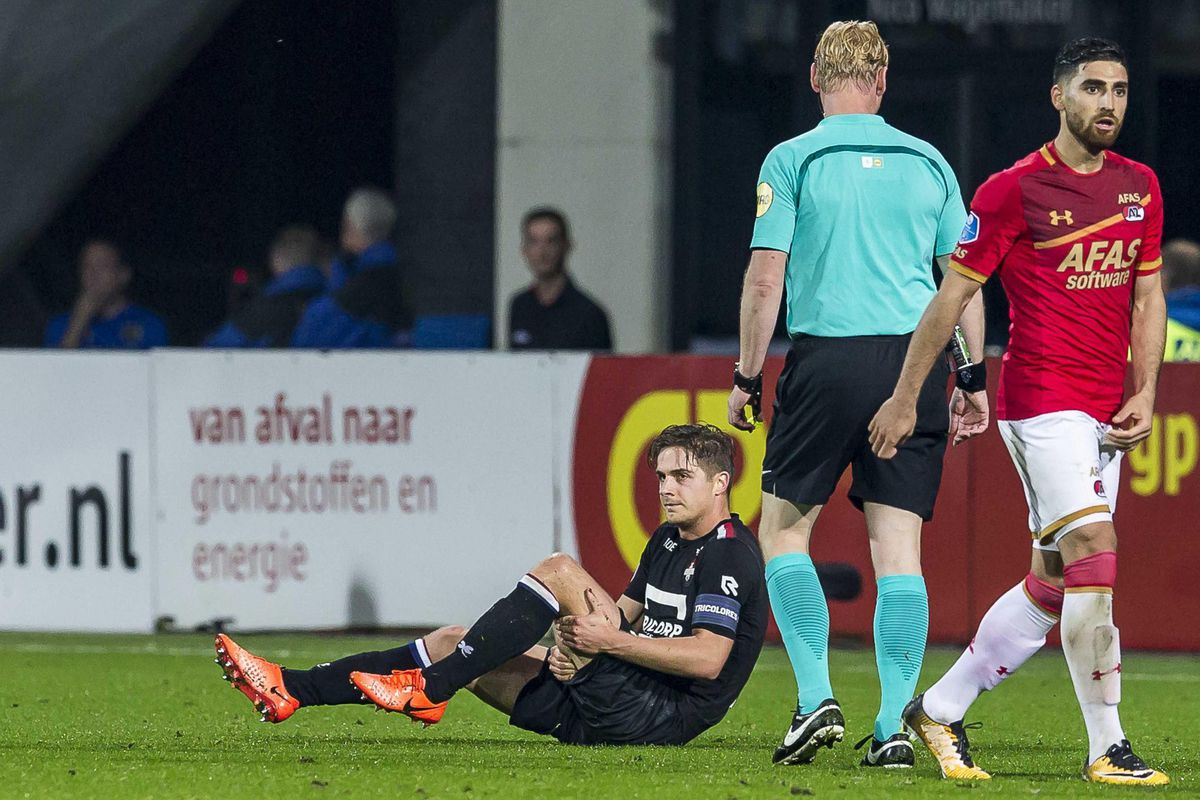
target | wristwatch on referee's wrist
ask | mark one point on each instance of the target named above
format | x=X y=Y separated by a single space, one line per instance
x=746 y=384
x=752 y=387
x=968 y=376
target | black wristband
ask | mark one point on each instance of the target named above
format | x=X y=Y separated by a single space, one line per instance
x=754 y=388
x=971 y=378
x=748 y=385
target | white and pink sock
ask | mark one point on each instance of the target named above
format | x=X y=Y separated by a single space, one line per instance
x=1093 y=647
x=1012 y=630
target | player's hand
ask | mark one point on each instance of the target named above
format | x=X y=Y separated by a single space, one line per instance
x=968 y=415
x=1132 y=424
x=561 y=665
x=738 y=400
x=591 y=633
x=891 y=426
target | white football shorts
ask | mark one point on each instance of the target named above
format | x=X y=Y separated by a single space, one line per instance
x=1069 y=474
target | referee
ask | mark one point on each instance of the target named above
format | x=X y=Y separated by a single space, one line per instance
x=850 y=217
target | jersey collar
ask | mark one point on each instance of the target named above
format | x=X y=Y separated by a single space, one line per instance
x=726 y=528
x=1050 y=153
x=852 y=119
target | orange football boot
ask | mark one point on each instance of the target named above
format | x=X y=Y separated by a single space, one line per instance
x=402 y=691
x=258 y=679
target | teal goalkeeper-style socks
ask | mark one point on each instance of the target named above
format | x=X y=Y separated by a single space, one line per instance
x=803 y=618
x=901 y=626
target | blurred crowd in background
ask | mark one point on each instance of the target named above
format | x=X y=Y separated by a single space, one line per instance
x=316 y=294
x=354 y=175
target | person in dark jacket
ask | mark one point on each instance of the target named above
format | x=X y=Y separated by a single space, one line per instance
x=270 y=319
x=552 y=314
x=365 y=306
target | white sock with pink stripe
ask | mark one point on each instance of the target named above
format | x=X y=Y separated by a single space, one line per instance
x=1012 y=630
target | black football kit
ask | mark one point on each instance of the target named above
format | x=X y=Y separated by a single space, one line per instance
x=714 y=583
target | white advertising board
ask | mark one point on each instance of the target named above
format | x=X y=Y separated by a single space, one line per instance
x=75 y=549
x=314 y=490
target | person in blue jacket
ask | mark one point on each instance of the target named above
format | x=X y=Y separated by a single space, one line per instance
x=365 y=306
x=102 y=316
x=270 y=319
x=1181 y=282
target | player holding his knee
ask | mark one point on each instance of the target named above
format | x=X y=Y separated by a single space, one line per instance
x=658 y=666
x=1074 y=232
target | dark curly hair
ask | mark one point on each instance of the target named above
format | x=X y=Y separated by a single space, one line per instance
x=1085 y=51
x=707 y=445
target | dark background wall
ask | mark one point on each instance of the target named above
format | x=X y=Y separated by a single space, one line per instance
x=977 y=91
x=288 y=107
x=292 y=104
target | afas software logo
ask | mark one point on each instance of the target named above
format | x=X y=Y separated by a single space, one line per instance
x=625 y=403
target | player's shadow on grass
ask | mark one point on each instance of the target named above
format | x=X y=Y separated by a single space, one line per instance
x=1008 y=759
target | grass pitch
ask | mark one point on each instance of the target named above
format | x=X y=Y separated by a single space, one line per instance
x=143 y=716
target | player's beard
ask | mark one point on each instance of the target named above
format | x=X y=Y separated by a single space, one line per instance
x=1083 y=129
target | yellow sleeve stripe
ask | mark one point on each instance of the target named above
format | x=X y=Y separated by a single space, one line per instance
x=967 y=272
x=1150 y=266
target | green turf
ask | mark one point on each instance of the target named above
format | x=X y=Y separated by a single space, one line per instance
x=126 y=716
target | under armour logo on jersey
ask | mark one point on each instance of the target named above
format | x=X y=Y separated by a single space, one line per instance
x=466 y=649
x=1056 y=217
x=729 y=586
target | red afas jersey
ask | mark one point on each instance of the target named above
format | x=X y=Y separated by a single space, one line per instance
x=1068 y=247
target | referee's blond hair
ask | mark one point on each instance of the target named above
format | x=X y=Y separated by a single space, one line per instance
x=850 y=52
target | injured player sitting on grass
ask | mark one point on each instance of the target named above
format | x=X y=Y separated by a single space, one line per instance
x=658 y=666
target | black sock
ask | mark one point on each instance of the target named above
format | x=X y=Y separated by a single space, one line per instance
x=510 y=627
x=329 y=684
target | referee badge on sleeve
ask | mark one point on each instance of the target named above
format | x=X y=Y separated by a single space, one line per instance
x=765 y=195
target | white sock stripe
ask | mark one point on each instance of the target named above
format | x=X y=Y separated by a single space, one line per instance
x=422 y=653
x=537 y=587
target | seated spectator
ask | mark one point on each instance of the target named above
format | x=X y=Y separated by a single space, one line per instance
x=1181 y=282
x=103 y=317
x=365 y=306
x=552 y=314
x=269 y=319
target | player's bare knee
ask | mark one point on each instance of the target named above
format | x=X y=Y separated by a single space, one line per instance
x=554 y=567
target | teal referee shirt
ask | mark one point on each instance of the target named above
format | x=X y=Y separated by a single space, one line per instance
x=861 y=209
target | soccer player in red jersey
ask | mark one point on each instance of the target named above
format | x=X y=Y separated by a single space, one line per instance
x=1073 y=230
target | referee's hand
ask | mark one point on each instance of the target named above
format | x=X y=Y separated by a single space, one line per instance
x=738 y=401
x=891 y=426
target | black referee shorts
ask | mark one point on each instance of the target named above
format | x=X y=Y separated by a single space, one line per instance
x=609 y=701
x=828 y=392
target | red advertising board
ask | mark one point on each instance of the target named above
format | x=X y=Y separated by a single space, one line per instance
x=978 y=543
